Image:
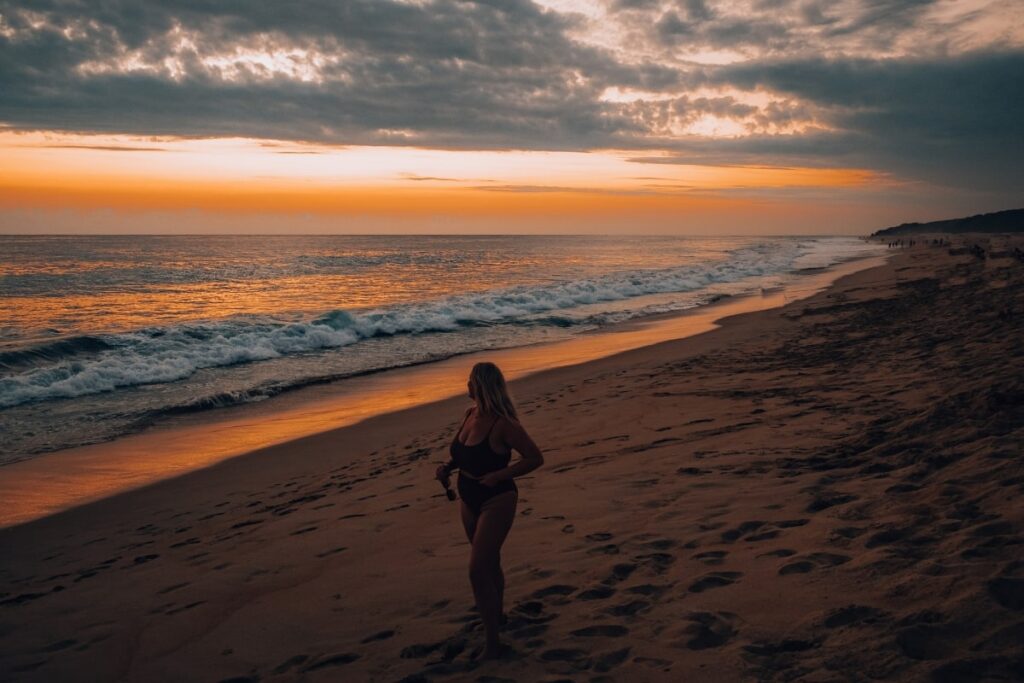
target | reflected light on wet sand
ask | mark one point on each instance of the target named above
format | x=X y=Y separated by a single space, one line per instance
x=56 y=481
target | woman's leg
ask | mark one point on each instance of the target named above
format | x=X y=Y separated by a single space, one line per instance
x=501 y=590
x=468 y=520
x=492 y=526
x=469 y=524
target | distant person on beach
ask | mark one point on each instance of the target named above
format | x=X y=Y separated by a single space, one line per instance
x=481 y=451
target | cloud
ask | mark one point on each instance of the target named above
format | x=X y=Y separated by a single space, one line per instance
x=484 y=75
x=107 y=148
x=885 y=84
x=956 y=120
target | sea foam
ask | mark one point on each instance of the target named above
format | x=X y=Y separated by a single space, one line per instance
x=102 y=363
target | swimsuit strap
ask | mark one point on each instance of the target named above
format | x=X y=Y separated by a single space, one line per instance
x=487 y=437
x=464 y=420
x=486 y=441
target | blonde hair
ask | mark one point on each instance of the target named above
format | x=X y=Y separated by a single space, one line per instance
x=490 y=391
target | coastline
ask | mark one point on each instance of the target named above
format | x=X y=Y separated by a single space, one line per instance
x=824 y=490
x=66 y=479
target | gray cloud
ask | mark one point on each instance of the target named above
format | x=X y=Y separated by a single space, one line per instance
x=956 y=120
x=444 y=73
x=107 y=148
x=509 y=75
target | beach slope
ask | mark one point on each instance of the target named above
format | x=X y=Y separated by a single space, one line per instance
x=829 y=491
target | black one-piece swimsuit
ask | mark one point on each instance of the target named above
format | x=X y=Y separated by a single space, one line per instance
x=477 y=460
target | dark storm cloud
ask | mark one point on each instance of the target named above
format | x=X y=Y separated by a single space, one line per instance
x=509 y=75
x=635 y=4
x=957 y=121
x=777 y=25
x=890 y=15
x=489 y=75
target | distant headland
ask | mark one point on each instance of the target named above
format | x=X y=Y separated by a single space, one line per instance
x=1011 y=220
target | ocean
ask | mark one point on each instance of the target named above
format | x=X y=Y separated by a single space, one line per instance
x=104 y=335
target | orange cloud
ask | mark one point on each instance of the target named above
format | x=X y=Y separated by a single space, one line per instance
x=245 y=176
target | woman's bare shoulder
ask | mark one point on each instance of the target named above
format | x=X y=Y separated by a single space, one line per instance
x=510 y=424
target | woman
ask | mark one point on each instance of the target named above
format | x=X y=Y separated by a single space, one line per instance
x=481 y=451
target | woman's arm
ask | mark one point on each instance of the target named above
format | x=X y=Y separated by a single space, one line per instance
x=444 y=471
x=517 y=439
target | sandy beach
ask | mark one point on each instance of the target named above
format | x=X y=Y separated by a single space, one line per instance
x=827 y=491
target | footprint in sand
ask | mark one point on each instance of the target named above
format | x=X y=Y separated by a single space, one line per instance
x=59 y=645
x=628 y=609
x=709 y=629
x=846 y=532
x=608 y=549
x=332 y=661
x=828 y=559
x=768 y=649
x=828 y=500
x=813 y=561
x=978 y=668
x=712 y=557
x=620 y=572
x=289 y=663
x=596 y=593
x=171 y=588
x=648 y=589
x=801 y=567
x=529 y=631
x=853 y=614
x=743 y=529
x=601 y=631
x=557 y=589
x=609 y=660
x=562 y=654
x=1008 y=592
x=714 y=580
x=931 y=641
x=657 y=563
x=888 y=536
x=421 y=650
x=791 y=523
x=248 y=522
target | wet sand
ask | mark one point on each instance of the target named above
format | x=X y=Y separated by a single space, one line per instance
x=44 y=485
x=829 y=491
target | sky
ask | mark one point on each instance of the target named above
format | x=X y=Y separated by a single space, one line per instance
x=503 y=116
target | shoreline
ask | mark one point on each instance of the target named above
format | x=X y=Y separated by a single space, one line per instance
x=828 y=490
x=63 y=480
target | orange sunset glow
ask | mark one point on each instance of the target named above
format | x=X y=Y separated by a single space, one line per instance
x=579 y=115
x=38 y=170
